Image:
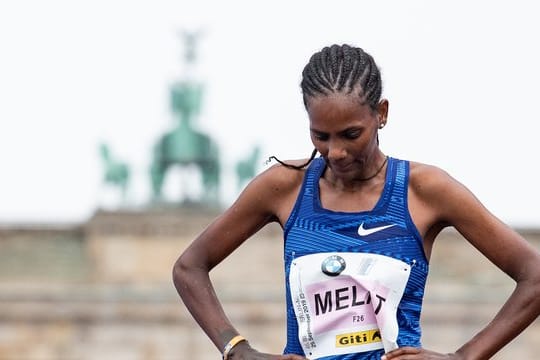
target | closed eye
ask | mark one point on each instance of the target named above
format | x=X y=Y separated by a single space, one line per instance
x=319 y=135
x=351 y=134
x=348 y=134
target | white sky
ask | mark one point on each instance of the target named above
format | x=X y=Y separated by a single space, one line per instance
x=461 y=78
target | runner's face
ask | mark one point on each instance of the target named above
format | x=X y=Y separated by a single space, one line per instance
x=344 y=131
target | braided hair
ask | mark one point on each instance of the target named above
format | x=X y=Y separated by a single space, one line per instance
x=340 y=69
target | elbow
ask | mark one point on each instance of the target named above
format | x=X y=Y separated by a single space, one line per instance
x=180 y=274
x=185 y=273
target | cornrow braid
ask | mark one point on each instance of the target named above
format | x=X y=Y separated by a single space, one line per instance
x=291 y=166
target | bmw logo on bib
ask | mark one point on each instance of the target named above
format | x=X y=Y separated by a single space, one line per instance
x=333 y=265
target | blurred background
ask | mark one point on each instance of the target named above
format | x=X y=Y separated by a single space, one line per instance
x=127 y=126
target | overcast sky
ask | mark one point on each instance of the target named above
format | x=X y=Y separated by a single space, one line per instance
x=461 y=76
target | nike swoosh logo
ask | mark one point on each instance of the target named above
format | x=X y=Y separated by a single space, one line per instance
x=365 y=232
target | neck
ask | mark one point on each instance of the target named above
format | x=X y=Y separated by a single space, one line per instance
x=352 y=185
x=379 y=169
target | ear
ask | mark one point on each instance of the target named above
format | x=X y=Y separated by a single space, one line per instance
x=382 y=112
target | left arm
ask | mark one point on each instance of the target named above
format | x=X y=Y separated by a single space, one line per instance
x=443 y=201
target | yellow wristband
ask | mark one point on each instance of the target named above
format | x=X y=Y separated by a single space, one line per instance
x=232 y=343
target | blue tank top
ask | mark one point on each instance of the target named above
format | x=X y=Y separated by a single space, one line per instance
x=311 y=229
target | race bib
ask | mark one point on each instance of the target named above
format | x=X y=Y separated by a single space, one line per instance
x=347 y=302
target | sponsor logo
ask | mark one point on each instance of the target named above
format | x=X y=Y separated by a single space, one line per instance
x=358 y=338
x=333 y=265
x=365 y=232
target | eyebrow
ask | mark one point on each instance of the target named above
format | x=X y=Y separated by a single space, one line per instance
x=351 y=128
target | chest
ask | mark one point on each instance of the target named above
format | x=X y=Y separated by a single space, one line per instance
x=361 y=199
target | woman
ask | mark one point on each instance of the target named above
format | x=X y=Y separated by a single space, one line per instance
x=358 y=227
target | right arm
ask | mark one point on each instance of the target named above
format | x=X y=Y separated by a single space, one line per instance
x=267 y=198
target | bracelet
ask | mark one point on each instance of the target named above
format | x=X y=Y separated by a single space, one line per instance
x=232 y=343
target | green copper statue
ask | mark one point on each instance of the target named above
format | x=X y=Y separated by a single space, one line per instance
x=185 y=145
x=246 y=168
x=116 y=172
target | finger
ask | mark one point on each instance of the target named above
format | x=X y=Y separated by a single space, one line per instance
x=407 y=350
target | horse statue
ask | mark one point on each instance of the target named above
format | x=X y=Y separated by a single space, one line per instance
x=246 y=168
x=116 y=172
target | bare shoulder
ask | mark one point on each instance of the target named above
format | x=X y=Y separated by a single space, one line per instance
x=427 y=179
x=276 y=188
x=444 y=197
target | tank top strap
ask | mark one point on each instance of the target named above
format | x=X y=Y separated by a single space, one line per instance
x=311 y=180
x=305 y=202
x=395 y=194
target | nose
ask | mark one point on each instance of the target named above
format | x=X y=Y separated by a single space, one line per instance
x=336 y=151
